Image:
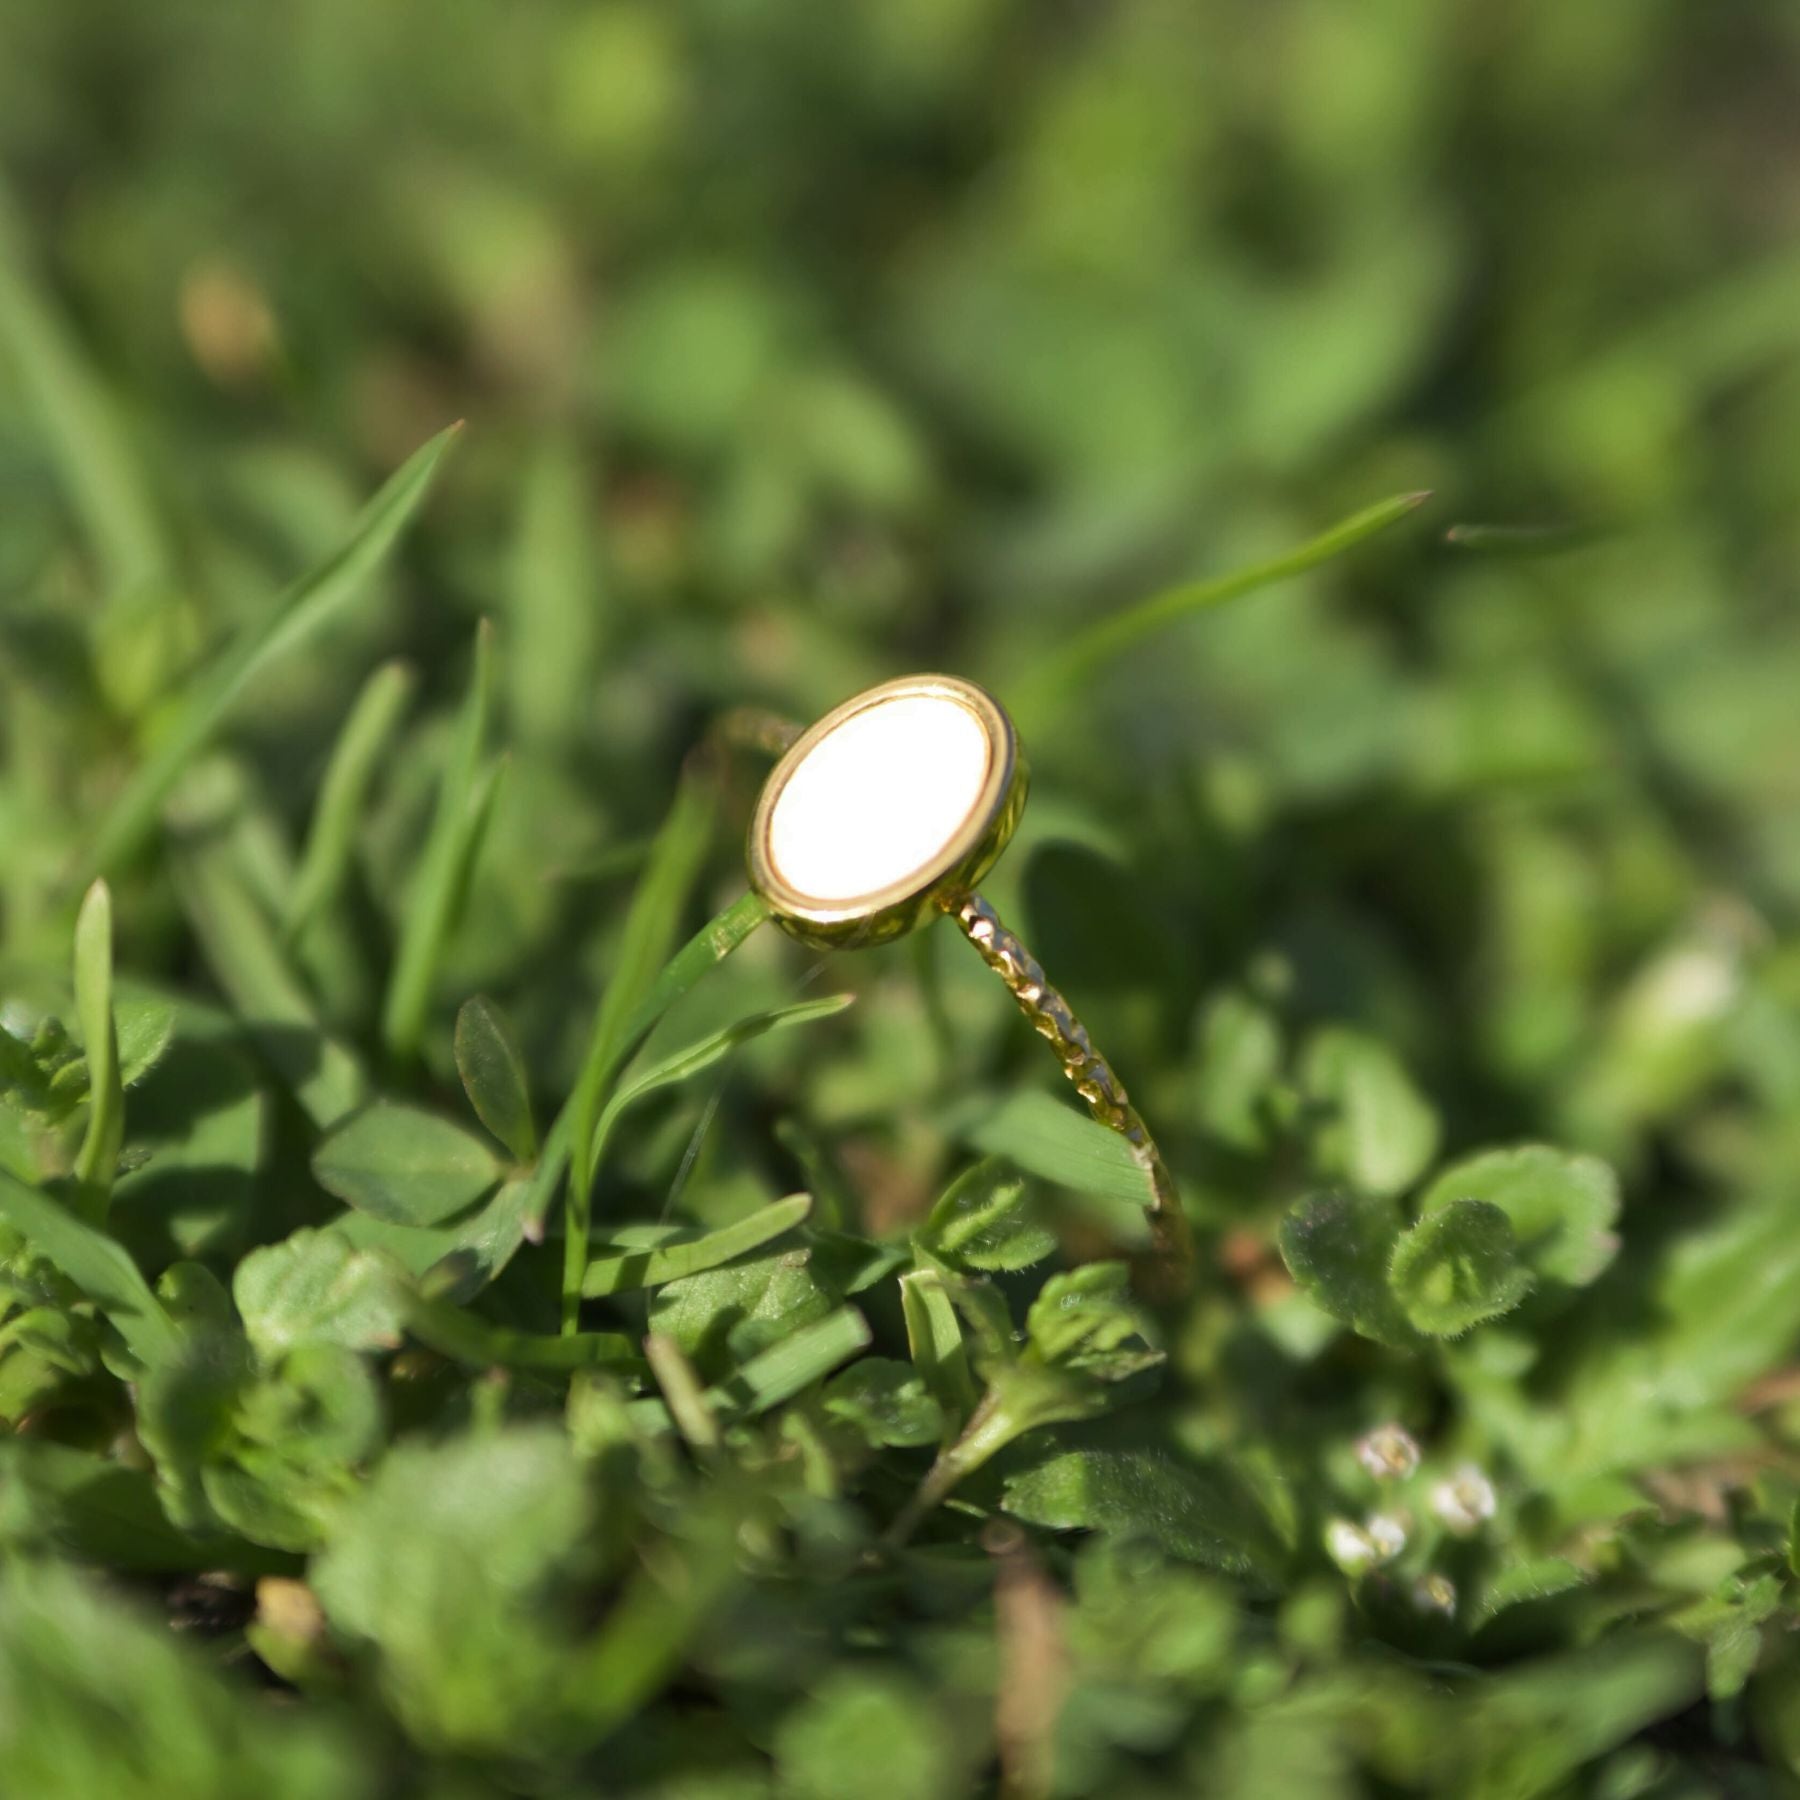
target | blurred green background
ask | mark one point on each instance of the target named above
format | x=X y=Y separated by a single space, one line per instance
x=800 y=349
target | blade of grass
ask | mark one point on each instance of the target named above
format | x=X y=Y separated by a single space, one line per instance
x=682 y=1394
x=299 y=612
x=95 y=459
x=775 y=1374
x=464 y=796
x=650 y=924
x=343 y=793
x=97 y=1162
x=245 y=955
x=97 y=1264
x=1045 y=690
x=710 y=945
x=462 y=1336
x=624 y=1270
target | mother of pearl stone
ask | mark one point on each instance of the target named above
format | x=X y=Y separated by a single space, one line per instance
x=877 y=800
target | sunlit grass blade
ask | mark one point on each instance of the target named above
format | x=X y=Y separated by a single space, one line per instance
x=343 y=793
x=99 y=467
x=245 y=955
x=620 y=1271
x=97 y=1161
x=299 y=612
x=432 y=903
x=650 y=927
x=97 y=1264
x=1057 y=681
x=709 y=946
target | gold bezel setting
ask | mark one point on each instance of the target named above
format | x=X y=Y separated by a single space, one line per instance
x=892 y=911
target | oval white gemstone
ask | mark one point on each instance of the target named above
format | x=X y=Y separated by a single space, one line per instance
x=879 y=798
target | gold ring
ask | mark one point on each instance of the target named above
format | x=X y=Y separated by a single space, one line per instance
x=885 y=814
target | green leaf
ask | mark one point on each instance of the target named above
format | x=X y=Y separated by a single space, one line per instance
x=1085 y=1320
x=1378 y=1134
x=295 y=616
x=621 y=1268
x=935 y=1342
x=463 y=1254
x=650 y=926
x=403 y=1165
x=77 y=1652
x=1061 y=678
x=1240 y=1061
x=440 y=880
x=1337 y=1247
x=1048 y=1139
x=452 y=1331
x=97 y=1264
x=792 y=1363
x=857 y=1721
x=492 y=1067
x=317 y=1287
x=1194 y=1510
x=887 y=1401
x=98 y=1159
x=145 y=1027
x=1562 y=1206
x=984 y=1222
x=725 y=1316
x=1457 y=1267
x=343 y=793
x=454 y=1567
x=241 y=947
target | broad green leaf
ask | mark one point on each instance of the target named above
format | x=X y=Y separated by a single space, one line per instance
x=1337 y=1247
x=293 y=618
x=724 y=1317
x=1053 y=1141
x=887 y=1401
x=1378 y=1133
x=984 y=1222
x=1562 y=1205
x=862 y=1720
x=463 y=1254
x=1457 y=1267
x=145 y=1027
x=98 y=1159
x=1194 y=1510
x=97 y=1264
x=619 y=1268
x=315 y=1286
x=440 y=879
x=403 y=1165
x=1061 y=678
x=343 y=793
x=492 y=1067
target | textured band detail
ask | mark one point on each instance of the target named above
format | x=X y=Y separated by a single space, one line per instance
x=1093 y=1076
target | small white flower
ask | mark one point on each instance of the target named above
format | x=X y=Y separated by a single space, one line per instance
x=1387 y=1533
x=1389 y=1453
x=1464 y=1502
x=1349 y=1547
x=1435 y=1593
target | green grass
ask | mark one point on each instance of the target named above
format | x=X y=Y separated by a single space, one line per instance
x=482 y=1316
